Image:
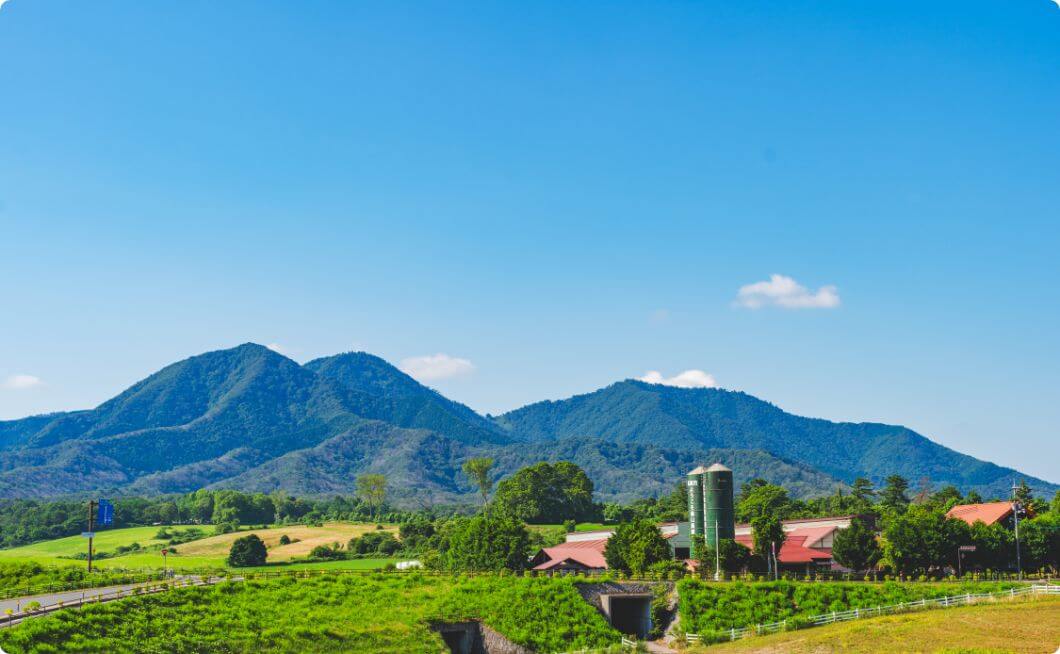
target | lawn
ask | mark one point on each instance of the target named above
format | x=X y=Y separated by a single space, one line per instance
x=381 y=613
x=50 y=551
x=1012 y=626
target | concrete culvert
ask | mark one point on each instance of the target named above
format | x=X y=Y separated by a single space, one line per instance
x=473 y=637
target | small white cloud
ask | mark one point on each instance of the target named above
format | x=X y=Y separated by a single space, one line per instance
x=2 y=3
x=21 y=382
x=786 y=293
x=686 y=379
x=436 y=366
x=279 y=349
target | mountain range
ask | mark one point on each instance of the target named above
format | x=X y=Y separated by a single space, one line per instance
x=252 y=419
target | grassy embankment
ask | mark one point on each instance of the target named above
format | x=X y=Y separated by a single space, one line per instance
x=208 y=552
x=1020 y=626
x=378 y=613
x=710 y=609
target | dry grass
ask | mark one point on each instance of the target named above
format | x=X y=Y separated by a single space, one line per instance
x=1023 y=626
x=308 y=537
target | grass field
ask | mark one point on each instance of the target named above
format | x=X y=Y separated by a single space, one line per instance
x=374 y=614
x=209 y=552
x=1012 y=626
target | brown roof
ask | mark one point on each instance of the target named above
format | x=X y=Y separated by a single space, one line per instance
x=794 y=549
x=988 y=513
x=589 y=553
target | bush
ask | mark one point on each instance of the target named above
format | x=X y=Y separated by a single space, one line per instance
x=285 y=540
x=326 y=553
x=374 y=542
x=247 y=551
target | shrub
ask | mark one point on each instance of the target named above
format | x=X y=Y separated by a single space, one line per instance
x=285 y=540
x=326 y=553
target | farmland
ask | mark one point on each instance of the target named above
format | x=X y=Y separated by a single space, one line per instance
x=207 y=552
x=1030 y=626
x=377 y=613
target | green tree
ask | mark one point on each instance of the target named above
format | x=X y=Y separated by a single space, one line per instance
x=478 y=471
x=732 y=556
x=856 y=547
x=372 y=489
x=1023 y=493
x=1040 y=538
x=247 y=551
x=764 y=500
x=922 y=540
x=635 y=547
x=768 y=534
x=994 y=547
x=893 y=496
x=486 y=542
x=547 y=493
x=863 y=490
x=973 y=497
x=947 y=497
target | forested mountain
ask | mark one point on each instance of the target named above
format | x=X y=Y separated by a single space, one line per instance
x=681 y=419
x=253 y=419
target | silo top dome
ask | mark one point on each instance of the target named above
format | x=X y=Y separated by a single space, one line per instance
x=717 y=467
x=698 y=471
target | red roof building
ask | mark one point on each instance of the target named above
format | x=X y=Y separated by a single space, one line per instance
x=581 y=555
x=989 y=513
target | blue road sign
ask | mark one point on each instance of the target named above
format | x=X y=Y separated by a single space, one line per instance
x=105 y=513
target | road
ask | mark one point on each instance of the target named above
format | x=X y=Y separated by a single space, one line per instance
x=72 y=598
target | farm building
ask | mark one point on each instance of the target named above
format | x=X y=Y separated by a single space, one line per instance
x=989 y=513
x=808 y=546
x=573 y=556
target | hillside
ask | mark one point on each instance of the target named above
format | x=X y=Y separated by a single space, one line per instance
x=252 y=419
x=683 y=419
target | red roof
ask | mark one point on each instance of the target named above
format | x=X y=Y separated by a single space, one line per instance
x=794 y=549
x=589 y=553
x=988 y=513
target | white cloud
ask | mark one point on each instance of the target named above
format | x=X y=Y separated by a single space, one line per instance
x=436 y=366
x=21 y=382
x=2 y=3
x=279 y=349
x=686 y=379
x=785 y=292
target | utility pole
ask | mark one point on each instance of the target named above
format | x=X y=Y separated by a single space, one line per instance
x=776 y=568
x=91 y=526
x=717 y=554
x=1016 y=517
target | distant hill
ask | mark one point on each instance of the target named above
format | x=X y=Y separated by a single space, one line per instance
x=253 y=419
x=682 y=419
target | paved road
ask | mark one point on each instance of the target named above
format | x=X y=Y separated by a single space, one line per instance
x=66 y=596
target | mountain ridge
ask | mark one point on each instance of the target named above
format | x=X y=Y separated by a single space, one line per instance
x=250 y=418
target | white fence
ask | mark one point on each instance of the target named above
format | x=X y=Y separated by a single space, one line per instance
x=871 y=612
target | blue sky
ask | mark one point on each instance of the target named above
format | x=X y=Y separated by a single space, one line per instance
x=553 y=196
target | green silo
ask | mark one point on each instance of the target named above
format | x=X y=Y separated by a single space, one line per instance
x=695 y=501
x=718 y=513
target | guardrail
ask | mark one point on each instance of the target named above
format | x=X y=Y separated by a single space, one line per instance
x=23 y=591
x=871 y=612
x=33 y=608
